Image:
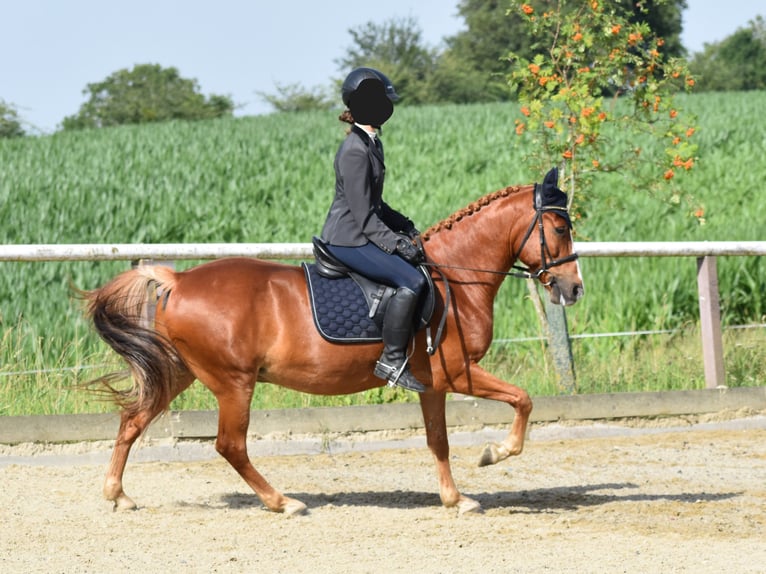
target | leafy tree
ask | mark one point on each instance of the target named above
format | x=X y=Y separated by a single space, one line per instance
x=736 y=63
x=664 y=18
x=296 y=98
x=473 y=66
x=591 y=52
x=147 y=93
x=586 y=51
x=10 y=124
x=493 y=30
x=396 y=48
x=455 y=82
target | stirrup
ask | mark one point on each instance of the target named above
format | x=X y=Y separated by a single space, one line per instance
x=401 y=377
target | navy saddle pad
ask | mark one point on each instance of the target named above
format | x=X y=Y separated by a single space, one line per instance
x=340 y=309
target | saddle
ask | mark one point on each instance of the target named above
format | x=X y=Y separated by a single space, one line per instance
x=348 y=307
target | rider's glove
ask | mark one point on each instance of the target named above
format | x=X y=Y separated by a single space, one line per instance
x=408 y=251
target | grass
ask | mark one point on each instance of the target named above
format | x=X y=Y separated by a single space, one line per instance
x=261 y=179
x=660 y=362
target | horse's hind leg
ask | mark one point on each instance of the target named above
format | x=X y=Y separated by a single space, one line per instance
x=132 y=426
x=231 y=443
x=432 y=403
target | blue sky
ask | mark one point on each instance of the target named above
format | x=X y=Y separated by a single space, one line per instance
x=51 y=49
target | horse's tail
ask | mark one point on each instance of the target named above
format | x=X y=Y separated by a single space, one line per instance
x=119 y=314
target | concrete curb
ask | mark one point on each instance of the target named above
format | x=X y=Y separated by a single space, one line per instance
x=464 y=412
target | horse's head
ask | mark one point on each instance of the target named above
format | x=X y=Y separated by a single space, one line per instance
x=547 y=248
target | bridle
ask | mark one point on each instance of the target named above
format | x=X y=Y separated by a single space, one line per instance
x=547 y=261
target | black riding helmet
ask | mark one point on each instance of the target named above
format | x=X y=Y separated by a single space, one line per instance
x=369 y=94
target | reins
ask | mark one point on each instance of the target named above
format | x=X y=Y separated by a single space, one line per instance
x=521 y=273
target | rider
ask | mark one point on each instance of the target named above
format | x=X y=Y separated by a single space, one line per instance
x=363 y=232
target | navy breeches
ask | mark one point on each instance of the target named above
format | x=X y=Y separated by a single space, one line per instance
x=389 y=269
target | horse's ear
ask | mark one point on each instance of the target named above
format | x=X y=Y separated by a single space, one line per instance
x=552 y=178
x=548 y=195
x=542 y=191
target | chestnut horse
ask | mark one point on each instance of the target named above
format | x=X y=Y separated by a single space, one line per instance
x=235 y=321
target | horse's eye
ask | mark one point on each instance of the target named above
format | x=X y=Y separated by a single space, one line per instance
x=560 y=230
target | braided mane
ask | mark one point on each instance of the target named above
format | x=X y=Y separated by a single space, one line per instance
x=470 y=209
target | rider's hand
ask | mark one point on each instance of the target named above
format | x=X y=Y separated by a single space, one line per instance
x=408 y=251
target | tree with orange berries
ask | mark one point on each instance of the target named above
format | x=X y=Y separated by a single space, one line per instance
x=595 y=73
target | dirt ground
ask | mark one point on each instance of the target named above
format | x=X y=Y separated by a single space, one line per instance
x=681 y=496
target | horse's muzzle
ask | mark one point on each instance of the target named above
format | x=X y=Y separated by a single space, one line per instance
x=565 y=291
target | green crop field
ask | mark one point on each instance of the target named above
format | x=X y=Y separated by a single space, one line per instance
x=270 y=179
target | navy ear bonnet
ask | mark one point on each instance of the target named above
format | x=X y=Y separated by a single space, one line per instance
x=549 y=197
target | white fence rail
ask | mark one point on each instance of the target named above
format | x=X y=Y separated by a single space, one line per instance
x=178 y=251
x=156 y=251
x=705 y=252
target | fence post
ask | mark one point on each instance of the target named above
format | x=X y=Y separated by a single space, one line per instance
x=560 y=346
x=710 y=321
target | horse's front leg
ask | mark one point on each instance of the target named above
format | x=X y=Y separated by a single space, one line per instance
x=479 y=383
x=432 y=403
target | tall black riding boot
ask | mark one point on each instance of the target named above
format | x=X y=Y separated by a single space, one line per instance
x=397 y=328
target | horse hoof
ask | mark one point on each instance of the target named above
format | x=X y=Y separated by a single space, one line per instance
x=294 y=507
x=489 y=456
x=122 y=503
x=468 y=506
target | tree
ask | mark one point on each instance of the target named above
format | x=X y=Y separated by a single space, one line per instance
x=664 y=18
x=453 y=81
x=586 y=51
x=478 y=54
x=473 y=67
x=10 y=125
x=396 y=48
x=736 y=63
x=147 y=93
x=592 y=53
x=296 y=98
